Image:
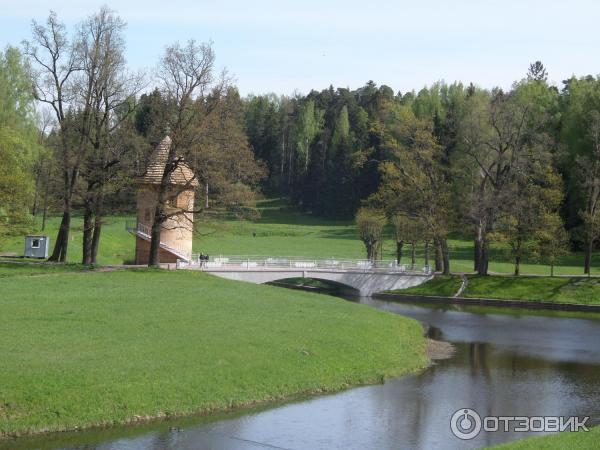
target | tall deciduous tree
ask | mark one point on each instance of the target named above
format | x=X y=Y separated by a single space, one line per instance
x=498 y=134
x=186 y=74
x=111 y=92
x=19 y=142
x=56 y=59
x=407 y=230
x=309 y=124
x=369 y=224
x=531 y=206
x=589 y=172
x=414 y=181
x=225 y=164
x=553 y=240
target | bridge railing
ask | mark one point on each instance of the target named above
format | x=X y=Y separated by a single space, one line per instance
x=239 y=262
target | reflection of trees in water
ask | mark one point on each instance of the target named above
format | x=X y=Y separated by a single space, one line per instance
x=479 y=358
x=511 y=383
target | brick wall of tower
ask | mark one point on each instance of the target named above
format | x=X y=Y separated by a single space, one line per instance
x=177 y=231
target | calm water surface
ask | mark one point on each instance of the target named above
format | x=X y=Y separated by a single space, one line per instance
x=508 y=363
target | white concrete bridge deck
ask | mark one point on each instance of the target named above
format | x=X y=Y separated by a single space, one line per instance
x=365 y=276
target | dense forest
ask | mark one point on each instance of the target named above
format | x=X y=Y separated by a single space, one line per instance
x=519 y=167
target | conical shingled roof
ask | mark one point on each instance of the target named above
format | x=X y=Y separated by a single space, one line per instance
x=182 y=175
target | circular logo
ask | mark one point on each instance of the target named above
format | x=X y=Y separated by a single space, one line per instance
x=465 y=424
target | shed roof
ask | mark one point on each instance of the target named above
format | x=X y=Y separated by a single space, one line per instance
x=181 y=175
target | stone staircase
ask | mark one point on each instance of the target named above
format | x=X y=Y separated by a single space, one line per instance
x=145 y=232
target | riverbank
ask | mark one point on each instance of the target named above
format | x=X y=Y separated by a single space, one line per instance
x=575 y=441
x=102 y=348
x=567 y=293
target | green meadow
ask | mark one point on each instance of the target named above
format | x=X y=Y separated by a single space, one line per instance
x=439 y=286
x=579 y=290
x=88 y=348
x=283 y=231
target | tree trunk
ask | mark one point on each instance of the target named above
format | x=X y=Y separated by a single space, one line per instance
x=282 y=159
x=439 y=261
x=482 y=258
x=587 y=264
x=371 y=250
x=96 y=238
x=445 y=256
x=61 y=245
x=38 y=175
x=413 y=255
x=290 y=151
x=206 y=195
x=476 y=252
x=551 y=269
x=159 y=219
x=97 y=226
x=399 y=245
x=154 y=257
x=88 y=229
x=426 y=253
x=517 y=266
x=45 y=211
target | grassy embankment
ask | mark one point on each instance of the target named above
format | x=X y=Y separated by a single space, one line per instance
x=281 y=231
x=440 y=286
x=556 y=290
x=572 y=441
x=97 y=348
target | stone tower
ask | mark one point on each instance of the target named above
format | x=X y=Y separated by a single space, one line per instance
x=177 y=232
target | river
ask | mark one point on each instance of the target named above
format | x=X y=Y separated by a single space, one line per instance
x=507 y=363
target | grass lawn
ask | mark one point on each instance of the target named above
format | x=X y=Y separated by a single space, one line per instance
x=83 y=349
x=439 y=286
x=10 y=269
x=572 y=441
x=558 y=290
x=282 y=231
x=116 y=244
x=549 y=289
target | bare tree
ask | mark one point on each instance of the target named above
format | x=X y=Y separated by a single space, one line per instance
x=40 y=169
x=111 y=89
x=56 y=60
x=186 y=74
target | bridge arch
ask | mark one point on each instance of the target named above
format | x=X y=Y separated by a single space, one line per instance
x=334 y=285
x=365 y=282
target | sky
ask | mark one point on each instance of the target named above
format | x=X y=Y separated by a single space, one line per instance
x=287 y=46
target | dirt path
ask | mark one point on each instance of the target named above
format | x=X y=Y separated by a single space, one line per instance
x=463 y=286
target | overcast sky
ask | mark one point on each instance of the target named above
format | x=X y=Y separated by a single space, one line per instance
x=281 y=46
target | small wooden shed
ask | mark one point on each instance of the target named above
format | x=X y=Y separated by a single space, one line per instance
x=36 y=246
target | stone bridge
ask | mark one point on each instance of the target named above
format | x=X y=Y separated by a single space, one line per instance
x=366 y=277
